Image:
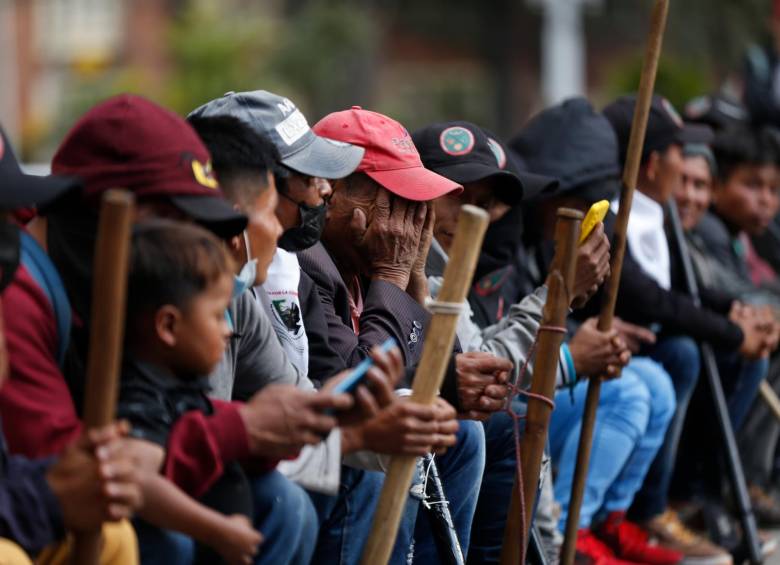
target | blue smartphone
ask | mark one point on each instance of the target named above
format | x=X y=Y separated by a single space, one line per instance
x=353 y=379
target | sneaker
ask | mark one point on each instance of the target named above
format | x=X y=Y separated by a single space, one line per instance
x=591 y=551
x=628 y=541
x=765 y=507
x=768 y=543
x=670 y=532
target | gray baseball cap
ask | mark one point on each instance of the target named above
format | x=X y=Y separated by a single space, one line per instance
x=277 y=119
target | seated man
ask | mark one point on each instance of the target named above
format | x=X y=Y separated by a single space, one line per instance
x=376 y=287
x=93 y=480
x=486 y=184
x=577 y=144
x=234 y=145
x=653 y=294
x=747 y=176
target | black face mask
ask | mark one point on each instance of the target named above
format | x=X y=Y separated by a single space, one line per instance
x=309 y=232
x=9 y=252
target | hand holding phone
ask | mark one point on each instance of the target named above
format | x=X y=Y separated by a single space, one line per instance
x=358 y=374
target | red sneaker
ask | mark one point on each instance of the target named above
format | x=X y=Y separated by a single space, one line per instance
x=629 y=541
x=592 y=551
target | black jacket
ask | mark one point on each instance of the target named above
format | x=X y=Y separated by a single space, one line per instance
x=642 y=301
x=387 y=312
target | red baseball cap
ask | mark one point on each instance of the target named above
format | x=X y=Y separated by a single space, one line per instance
x=129 y=142
x=391 y=158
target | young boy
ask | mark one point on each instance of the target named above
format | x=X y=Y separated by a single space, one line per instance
x=181 y=281
x=744 y=178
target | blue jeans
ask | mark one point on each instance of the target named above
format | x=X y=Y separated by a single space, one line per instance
x=633 y=415
x=487 y=532
x=283 y=514
x=741 y=379
x=679 y=355
x=346 y=518
x=460 y=470
x=699 y=470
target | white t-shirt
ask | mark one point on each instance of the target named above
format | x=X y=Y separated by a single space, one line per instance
x=281 y=286
x=646 y=238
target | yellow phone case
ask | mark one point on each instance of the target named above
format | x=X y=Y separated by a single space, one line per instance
x=596 y=214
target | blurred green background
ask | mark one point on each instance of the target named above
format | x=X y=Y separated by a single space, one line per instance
x=418 y=61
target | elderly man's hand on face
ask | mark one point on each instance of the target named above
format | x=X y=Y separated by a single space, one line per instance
x=592 y=266
x=418 y=282
x=391 y=241
x=482 y=383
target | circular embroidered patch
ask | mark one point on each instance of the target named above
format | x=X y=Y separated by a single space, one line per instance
x=498 y=152
x=456 y=140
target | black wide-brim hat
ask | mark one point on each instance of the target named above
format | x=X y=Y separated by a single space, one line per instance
x=20 y=190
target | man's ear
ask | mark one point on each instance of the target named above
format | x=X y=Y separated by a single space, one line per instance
x=237 y=248
x=652 y=165
x=167 y=321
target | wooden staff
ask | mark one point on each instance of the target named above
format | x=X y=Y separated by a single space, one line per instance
x=109 y=279
x=630 y=177
x=559 y=283
x=770 y=397
x=439 y=339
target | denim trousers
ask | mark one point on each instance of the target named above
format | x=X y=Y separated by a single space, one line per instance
x=679 y=355
x=632 y=418
x=346 y=519
x=699 y=471
x=283 y=513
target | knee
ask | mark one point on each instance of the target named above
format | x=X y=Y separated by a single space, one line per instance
x=120 y=544
x=685 y=353
x=471 y=440
x=660 y=388
x=758 y=370
x=627 y=403
x=281 y=506
x=12 y=554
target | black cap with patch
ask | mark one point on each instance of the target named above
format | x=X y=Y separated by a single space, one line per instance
x=462 y=152
x=665 y=127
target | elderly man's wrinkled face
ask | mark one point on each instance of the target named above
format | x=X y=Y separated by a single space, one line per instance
x=357 y=191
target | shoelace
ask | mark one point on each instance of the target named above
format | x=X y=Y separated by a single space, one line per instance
x=672 y=523
x=761 y=496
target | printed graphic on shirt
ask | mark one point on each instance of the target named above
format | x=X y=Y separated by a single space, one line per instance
x=289 y=314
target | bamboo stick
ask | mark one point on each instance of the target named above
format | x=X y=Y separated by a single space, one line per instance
x=109 y=290
x=630 y=177
x=559 y=284
x=439 y=339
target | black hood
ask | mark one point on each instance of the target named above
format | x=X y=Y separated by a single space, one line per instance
x=572 y=142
